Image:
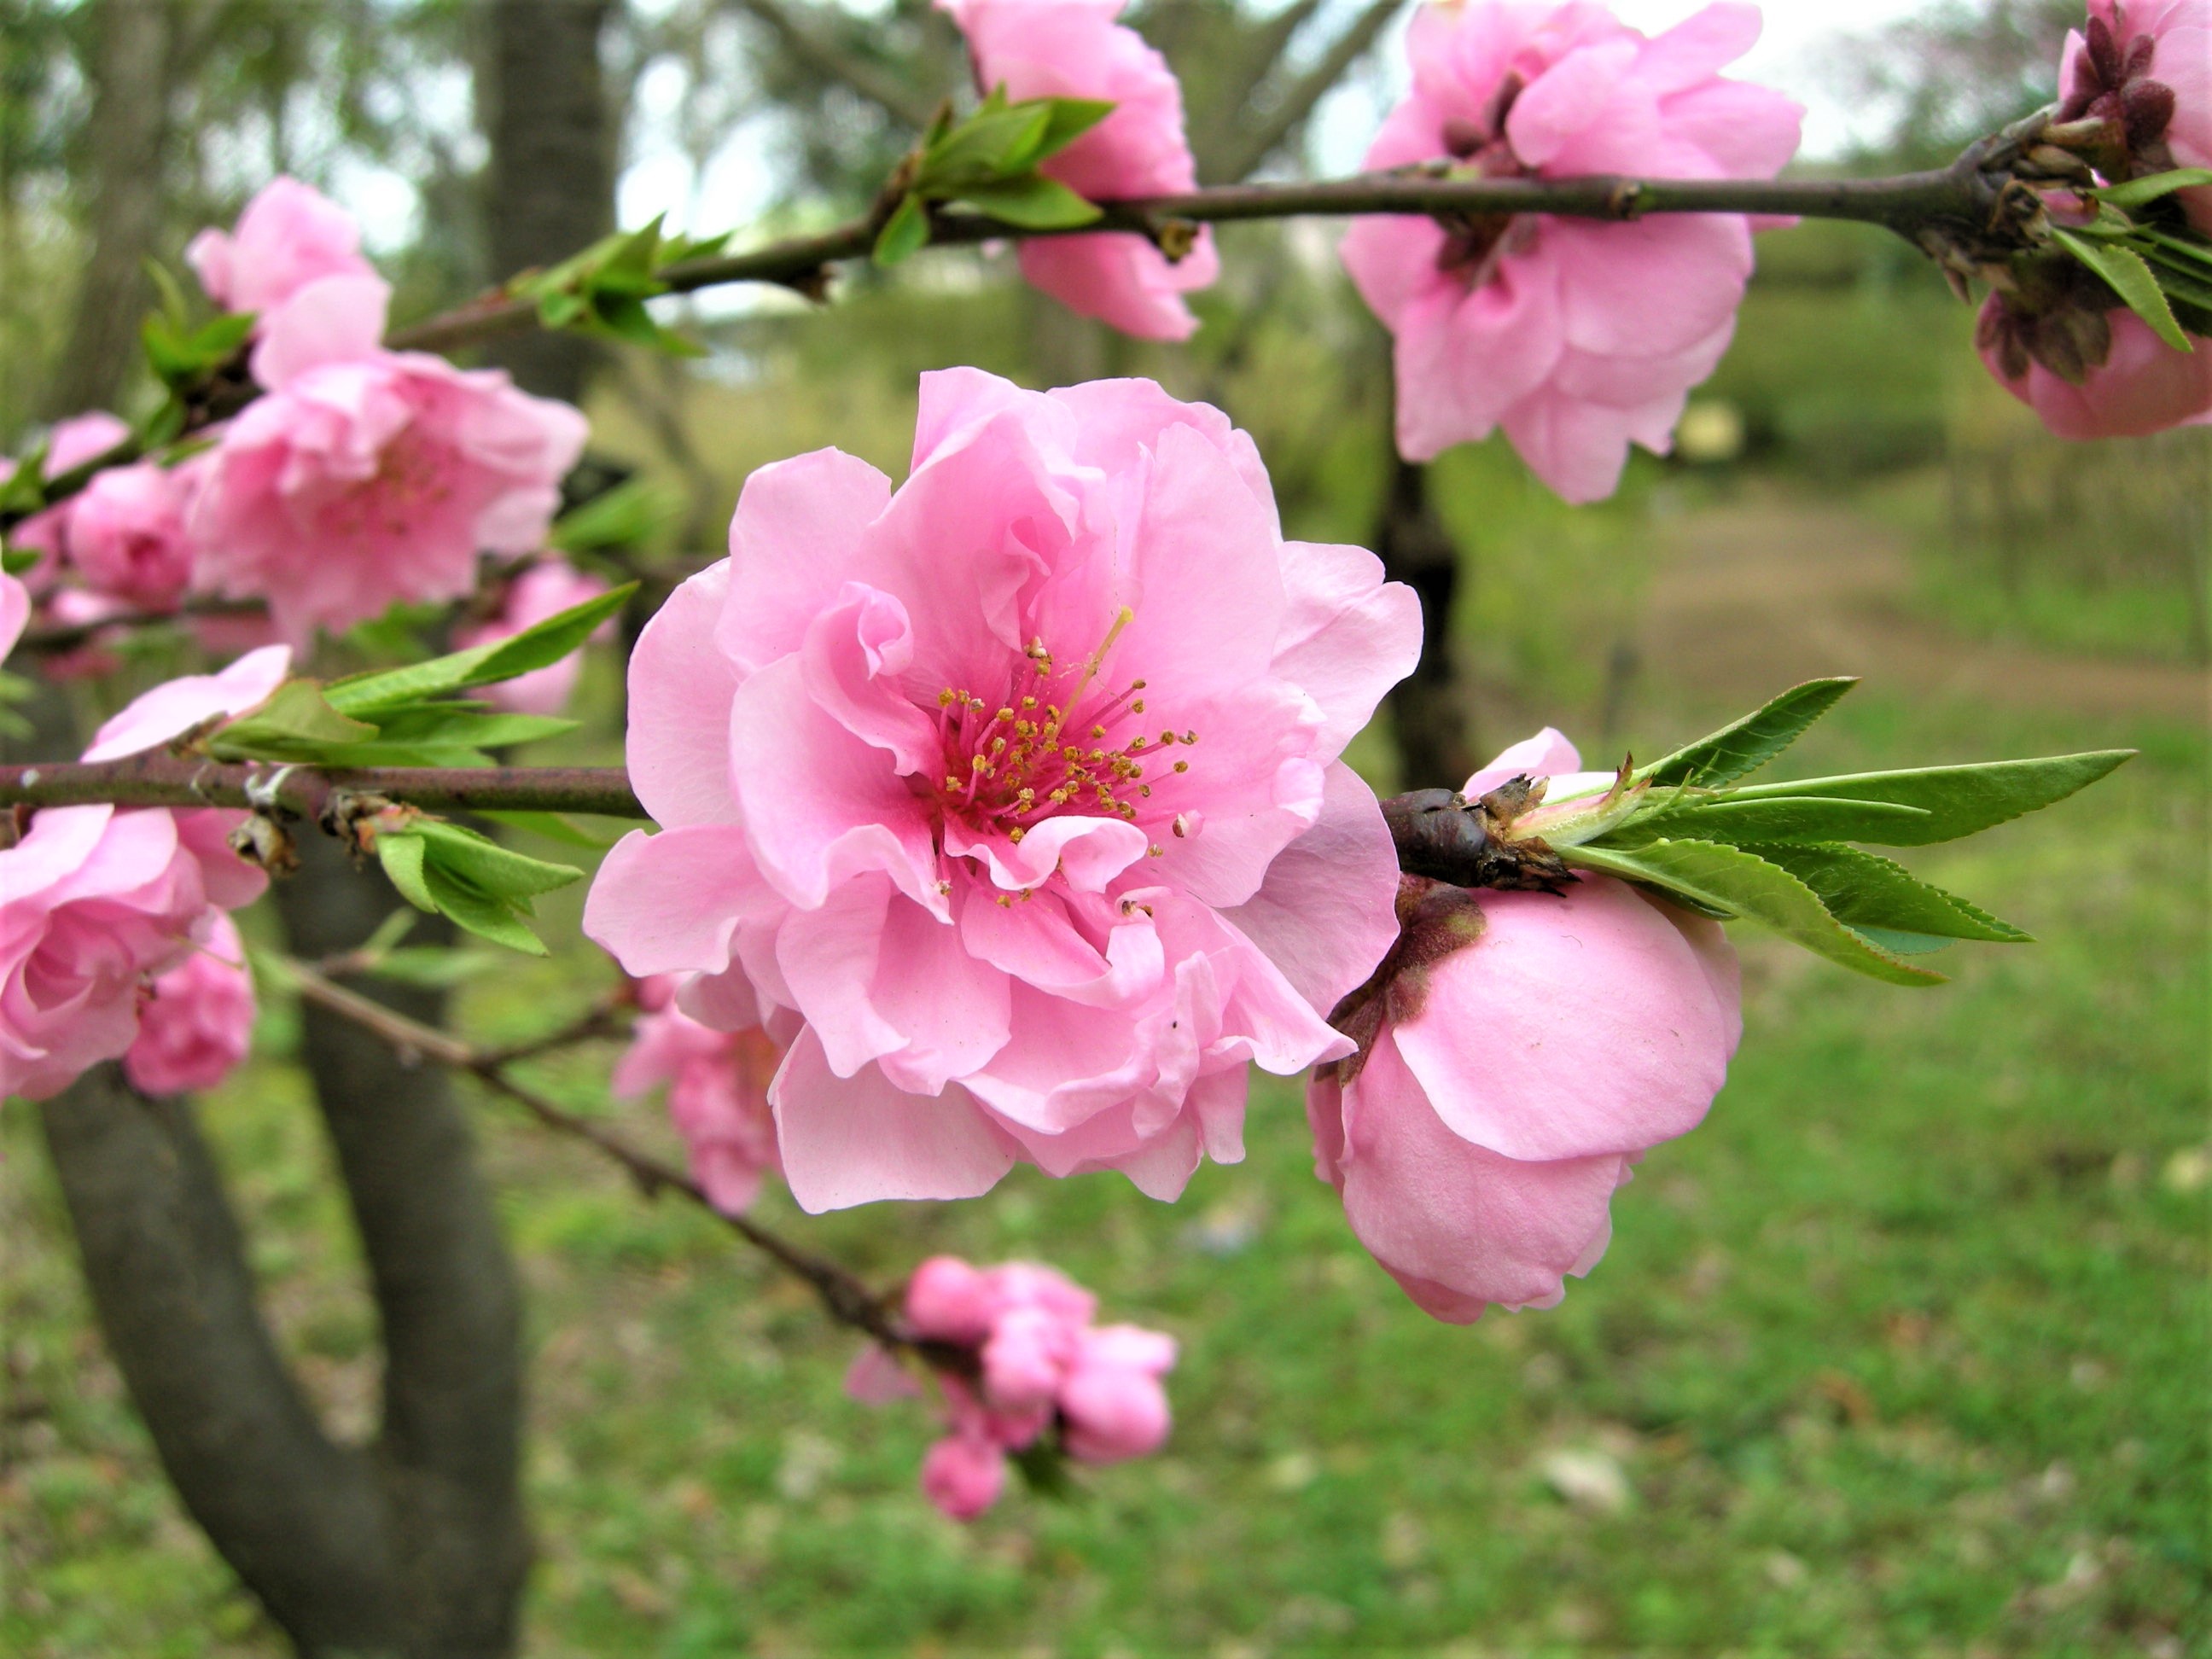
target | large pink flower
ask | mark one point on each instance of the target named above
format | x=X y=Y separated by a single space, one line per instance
x=1528 y=1052
x=1074 y=48
x=1020 y=786
x=2145 y=67
x=546 y=589
x=717 y=1092
x=126 y=533
x=95 y=899
x=2142 y=385
x=367 y=477
x=290 y=236
x=197 y=1023
x=72 y=442
x=1576 y=336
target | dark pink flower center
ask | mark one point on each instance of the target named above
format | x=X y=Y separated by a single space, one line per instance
x=1056 y=739
x=1474 y=243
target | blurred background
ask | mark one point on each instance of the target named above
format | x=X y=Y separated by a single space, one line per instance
x=1904 y=1351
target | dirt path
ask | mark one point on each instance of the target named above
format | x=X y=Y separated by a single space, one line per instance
x=1768 y=591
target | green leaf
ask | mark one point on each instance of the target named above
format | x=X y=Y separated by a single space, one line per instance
x=1746 y=885
x=2126 y=274
x=534 y=647
x=14 y=561
x=1070 y=119
x=2185 y=280
x=463 y=855
x=2187 y=247
x=625 y=516
x=1877 y=897
x=389 y=932
x=403 y=856
x=432 y=968
x=481 y=913
x=24 y=489
x=2141 y=192
x=297 y=723
x=1033 y=202
x=995 y=141
x=905 y=233
x=1735 y=750
x=1775 y=818
x=555 y=827
x=1959 y=800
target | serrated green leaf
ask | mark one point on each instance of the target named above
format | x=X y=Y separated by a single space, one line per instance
x=2182 y=279
x=481 y=913
x=1874 y=896
x=905 y=234
x=1746 y=886
x=296 y=723
x=2187 y=247
x=2124 y=271
x=403 y=856
x=481 y=863
x=1959 y=800
x=2141 y=192
x=1032 y=202
x=1738 y=750
x=1775 y=818
x=548 y=641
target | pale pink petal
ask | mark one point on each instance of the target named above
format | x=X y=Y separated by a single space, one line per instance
x=856 y=1141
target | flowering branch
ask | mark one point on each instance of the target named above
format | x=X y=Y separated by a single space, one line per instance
x=159 y=780
x=846 y=1299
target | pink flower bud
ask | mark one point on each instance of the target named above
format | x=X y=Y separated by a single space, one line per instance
x=1112 y=1402
x=1028 y=1353
x=949 y=1301
x=290 y=236
x=127 y=535
x=964 y=1477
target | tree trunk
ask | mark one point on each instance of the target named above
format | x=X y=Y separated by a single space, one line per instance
x=1428 y=708
x=132 y=60
x=552 y=164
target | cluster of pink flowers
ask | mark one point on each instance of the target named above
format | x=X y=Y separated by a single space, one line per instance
x=717 y=1084
x=363 y=476
x=2143 y=68
x=101 y=907
x=1521 y=1053
x=1014 y=792
x=1074 y=48
x=1041 y=1366
x=1576 y=337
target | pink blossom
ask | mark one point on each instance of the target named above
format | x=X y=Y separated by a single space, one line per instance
x=95 y=899
x=15 y=612
x=368 y=477
x=1526 y=1053
x=1041 y=1364
x=2142 y=385
x=717 y=1094
x=1576 y=337
x=126 y=534
x=963 y=1476
x=69 y=446
x=198 y=1022
x=545 y=589
x=1018 y=787
x=2145 y=67
x=290 y=234
x=1074 y=48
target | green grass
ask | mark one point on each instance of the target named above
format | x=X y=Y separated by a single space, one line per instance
x=1903 y=1352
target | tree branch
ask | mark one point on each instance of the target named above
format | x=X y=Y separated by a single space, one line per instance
x=159 y=780
x=847 y=1300
x=1254 y=145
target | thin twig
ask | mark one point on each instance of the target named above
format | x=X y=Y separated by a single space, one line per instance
x=155 y=779
x=847 y=1300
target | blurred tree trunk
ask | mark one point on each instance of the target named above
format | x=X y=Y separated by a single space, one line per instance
x=551 y=178
x=1428 y=708
x=133 y=68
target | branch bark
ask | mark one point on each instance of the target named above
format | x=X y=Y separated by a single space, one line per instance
x=159 y=780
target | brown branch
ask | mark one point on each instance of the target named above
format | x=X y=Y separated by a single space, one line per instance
x=160 y=779
x=67 y=636
x=846 y=1299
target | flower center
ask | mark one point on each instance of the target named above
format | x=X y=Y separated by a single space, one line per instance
x=1476 y=242
x=1057 y=739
